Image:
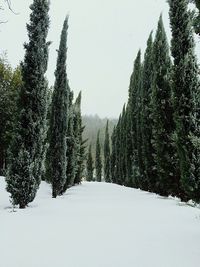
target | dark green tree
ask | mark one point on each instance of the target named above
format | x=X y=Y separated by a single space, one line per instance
x=122 y=176
x=146 y=120
x=98 y=160
x=139 y=152
x=134 y=89
x=27 y=150
x=10 y=84
x=107 y=171
x=118 y=160
x=185 y=98
x=89 y=165
x=129 y=147
x=113 y=155
x=80 y=143
x=59 y=119
x=71 y=147
x=162 y=116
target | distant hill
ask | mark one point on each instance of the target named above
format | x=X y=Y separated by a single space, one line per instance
x=92 y=125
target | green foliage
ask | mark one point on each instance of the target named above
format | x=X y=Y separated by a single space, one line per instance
x=107 y=170
x=89 y=165
x=149 y=176
x=59 y=119
x=185 y=98
x=31 y=127
x=162 y=116
x=71 y=147
x=133 y=103
x=156 y=142
x=10 y=84
x=80 y=143
x=98 y=160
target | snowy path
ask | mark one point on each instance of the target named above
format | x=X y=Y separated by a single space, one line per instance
x=99 y=225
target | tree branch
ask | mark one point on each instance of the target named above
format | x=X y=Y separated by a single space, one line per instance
x=8 y=2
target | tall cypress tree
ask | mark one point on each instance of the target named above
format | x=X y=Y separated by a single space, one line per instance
x=139 y=141
x=80 y=143
x=113 y=155
x=123 y=148
x=107 y=171
x=162 y=114
x=118 y=172
x=185 y=98
x=27 y=149
x=71 y=147
x=135 y=86
x=146 y=120
x=89 y=165
x=98 y=160
x=129 y=146
x=59 y=119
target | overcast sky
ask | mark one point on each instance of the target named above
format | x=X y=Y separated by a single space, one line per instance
x=103 y=40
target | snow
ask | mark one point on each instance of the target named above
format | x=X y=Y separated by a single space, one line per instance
x=99 y=225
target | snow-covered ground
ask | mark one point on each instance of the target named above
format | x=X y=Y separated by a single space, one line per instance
x=99 y=225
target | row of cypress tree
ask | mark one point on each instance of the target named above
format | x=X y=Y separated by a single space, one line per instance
x=102 y=164
x=156 y=143
x=48 y=137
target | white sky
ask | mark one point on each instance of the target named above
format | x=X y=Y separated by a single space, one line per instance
x=104 y=37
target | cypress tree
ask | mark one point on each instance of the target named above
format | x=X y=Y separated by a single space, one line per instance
x=146 y=120
x=80 y=143
x=162 y=114
x=59 y=119
x=118 y=173
x=139 y=140
x=113 y=156
x=185 y=98
x=98 y=160
x=89 y=165
x=134 y=88
x=107 y=171
x=123 y=148
x=129 y=146
x=27 y=149
x=71 y=147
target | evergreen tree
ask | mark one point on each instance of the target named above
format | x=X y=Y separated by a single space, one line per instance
x=80 y=143
x=146 y=120
x=118 y=172
x=135 y=87
x=139 y=141
x=27 y=150
x=113 y=156
x=123 y=148
x=107 y=171
x=71 y=147
x=59 y=119
x=10 y=84
x=129 y=146
x=89 y=165
x=185 y=98
x=162 y=114
x=98 y=162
